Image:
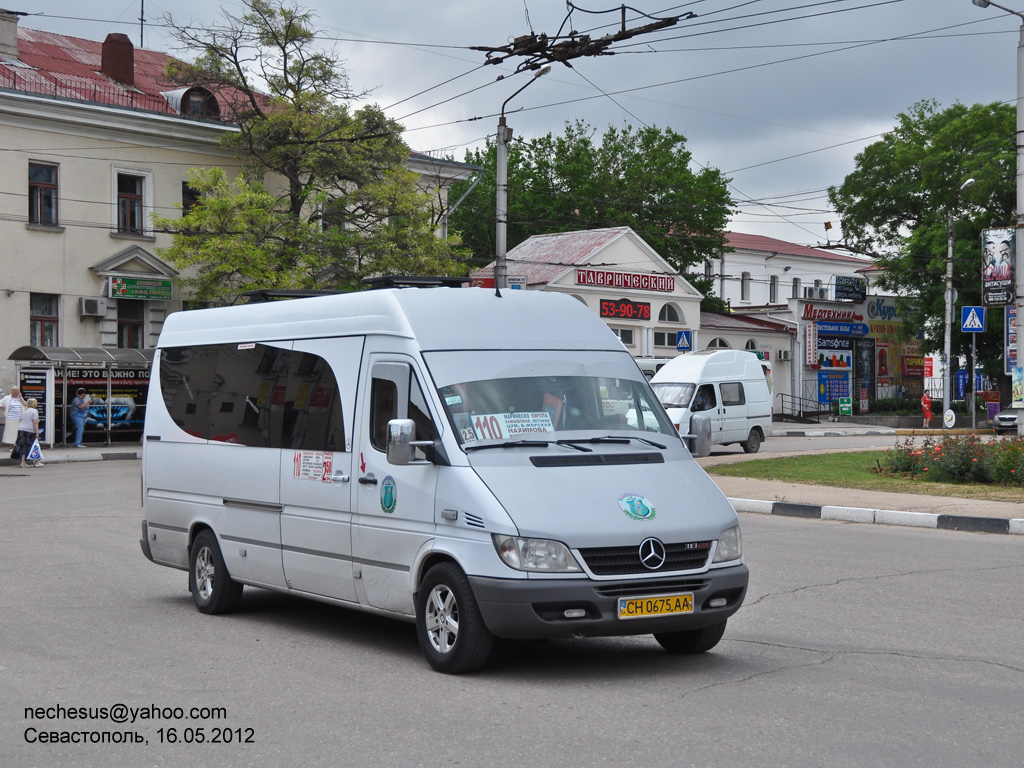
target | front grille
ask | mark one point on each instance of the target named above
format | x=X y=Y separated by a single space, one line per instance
x=622 y=561
x=660 y=587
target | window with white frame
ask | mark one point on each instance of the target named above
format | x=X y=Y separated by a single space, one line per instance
x=133 y=201
x=42 y=194
x=745 y=286
x=751 y=345
x=665 y=339
x=131 y=317
x=796 y=288
x=625 y=335
x=44 y=322
x=773 y=290
x=718 y=343
x=669 y=314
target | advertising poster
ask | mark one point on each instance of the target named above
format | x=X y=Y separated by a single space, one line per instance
x=999 y=252
x=1010 y=341
x=117 y=400
x=832 y=386
x=38 y=383
x=835 y=352
x=882 y=365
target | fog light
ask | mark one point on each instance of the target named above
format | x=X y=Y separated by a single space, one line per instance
x=718 y=602
x=575 y=613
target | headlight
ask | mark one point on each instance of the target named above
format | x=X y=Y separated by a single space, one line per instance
x=535 y=554
x=730 y=546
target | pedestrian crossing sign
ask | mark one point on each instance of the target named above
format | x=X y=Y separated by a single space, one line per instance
x=972 y=319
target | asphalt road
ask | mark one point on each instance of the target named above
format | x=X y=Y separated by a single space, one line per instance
x=857 y=646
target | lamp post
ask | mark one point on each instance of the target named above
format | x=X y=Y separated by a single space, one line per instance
x=1018 y=269
x=504 y=136
x=949 y=298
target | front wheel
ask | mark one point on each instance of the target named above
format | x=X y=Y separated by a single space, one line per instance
x=753 y=442
x=449 y=626
x=213 y=590
x=691 y=641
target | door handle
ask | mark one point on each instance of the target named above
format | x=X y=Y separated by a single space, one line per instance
x=339 y=478
x=368 y=480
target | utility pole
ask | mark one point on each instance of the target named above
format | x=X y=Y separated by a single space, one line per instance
x=538 y=52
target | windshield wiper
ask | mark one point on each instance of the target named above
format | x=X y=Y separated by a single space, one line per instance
x=509 y=444
x=622 y=439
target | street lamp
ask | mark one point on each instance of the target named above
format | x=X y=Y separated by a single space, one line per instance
x=1018 y=270
x=501 y=150
x=949 y=297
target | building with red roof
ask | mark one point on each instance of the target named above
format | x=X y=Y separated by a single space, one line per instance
x=96 y=141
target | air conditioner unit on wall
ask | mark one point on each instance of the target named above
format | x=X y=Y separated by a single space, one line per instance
x=92 y=307
x=816 y=293
x=782 y=354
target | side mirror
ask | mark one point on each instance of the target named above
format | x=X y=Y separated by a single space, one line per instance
x=402 y=440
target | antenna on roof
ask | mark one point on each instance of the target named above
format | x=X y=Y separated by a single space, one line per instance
x=142 y=23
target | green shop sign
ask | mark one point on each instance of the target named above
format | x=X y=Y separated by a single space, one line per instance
x=140 y=288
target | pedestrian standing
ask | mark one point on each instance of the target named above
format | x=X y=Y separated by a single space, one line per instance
x=79 y=413
x=926 y=410
x=28 y=431
x=12 y=405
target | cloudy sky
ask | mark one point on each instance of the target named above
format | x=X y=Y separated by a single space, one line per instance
x=778 y=94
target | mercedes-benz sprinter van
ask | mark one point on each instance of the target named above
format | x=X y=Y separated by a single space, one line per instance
x=484 y=466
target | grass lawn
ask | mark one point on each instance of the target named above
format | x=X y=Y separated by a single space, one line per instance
x=855 y=470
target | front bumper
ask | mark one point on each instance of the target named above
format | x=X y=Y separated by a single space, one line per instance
x=534 y=609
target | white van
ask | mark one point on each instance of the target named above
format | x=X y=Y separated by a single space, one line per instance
x=485 y=466
x=728 y=387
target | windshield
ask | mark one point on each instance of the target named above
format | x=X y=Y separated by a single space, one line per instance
x=674 y=395
x=500 y=409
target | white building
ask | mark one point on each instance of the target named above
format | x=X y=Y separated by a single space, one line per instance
x=764 y=272
x=653 y=309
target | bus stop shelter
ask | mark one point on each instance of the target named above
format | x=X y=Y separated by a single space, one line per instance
x=116 y=379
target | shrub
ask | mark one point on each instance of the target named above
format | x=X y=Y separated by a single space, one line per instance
x=906 y=458
x=1006 y=461
x=958 y=459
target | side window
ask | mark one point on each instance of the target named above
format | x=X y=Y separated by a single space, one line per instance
x=253 y=394
x=186 y=381
x=383 y=408
x=395 y=393
x=704 y=399
x=732 y=393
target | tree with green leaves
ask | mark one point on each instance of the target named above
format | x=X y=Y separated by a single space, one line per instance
x=324 y=198
x=894 y=206
x=642 y=179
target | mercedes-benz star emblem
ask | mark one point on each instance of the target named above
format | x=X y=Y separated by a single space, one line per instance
x=652 y=554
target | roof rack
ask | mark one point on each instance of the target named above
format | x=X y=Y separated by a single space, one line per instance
x=414 y=281
x=278 y=294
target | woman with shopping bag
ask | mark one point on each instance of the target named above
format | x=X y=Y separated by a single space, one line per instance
x=28 y=434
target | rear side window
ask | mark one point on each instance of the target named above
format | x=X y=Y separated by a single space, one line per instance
x=732 y=393
x=253 y=394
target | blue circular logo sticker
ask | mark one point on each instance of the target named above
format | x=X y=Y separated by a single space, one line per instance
x=388 y=495
x=637 y=507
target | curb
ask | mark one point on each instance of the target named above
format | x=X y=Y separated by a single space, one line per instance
x=881 y=516
x=50 y=457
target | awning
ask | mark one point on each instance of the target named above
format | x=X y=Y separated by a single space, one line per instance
x=84 y=355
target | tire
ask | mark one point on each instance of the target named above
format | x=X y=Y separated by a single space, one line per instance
x=212 y=588
x=449 y=625
x=692 y=641
x=753 y=442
